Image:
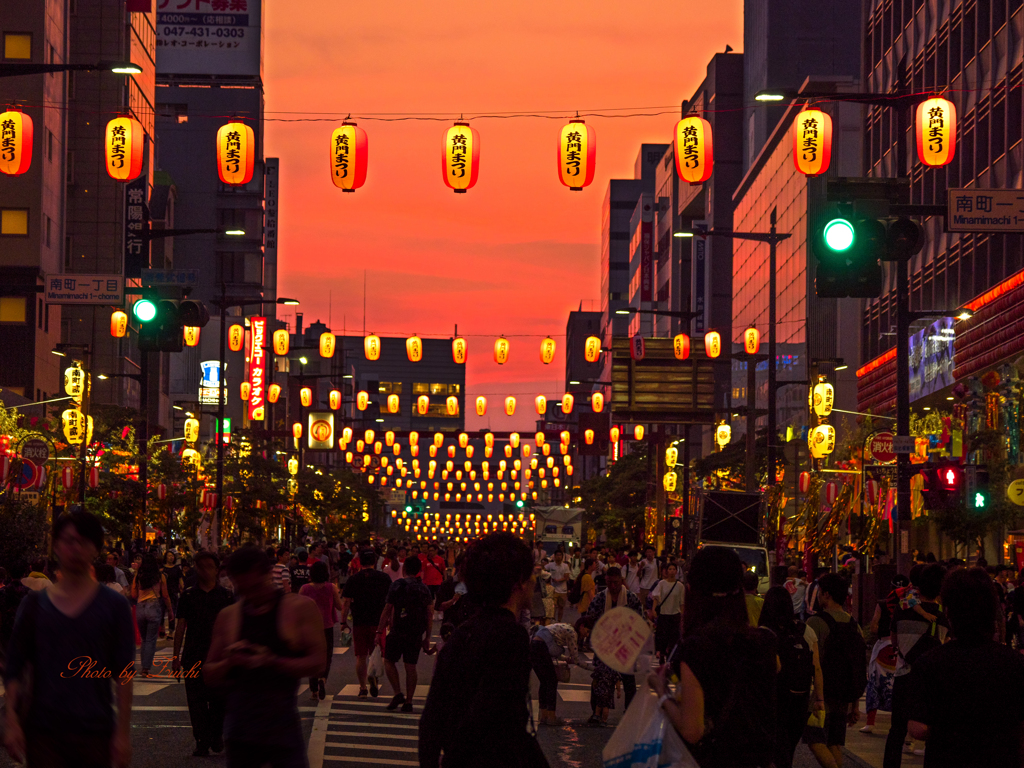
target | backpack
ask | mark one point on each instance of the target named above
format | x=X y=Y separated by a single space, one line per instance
x=575 y=590
x=925 y=643
x=844 y=660
x=412 y=608
x=797 y=660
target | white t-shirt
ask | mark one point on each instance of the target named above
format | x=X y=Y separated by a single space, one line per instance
x=648 y=573
x=631 y=577
x=559 y=571
x=669 y=596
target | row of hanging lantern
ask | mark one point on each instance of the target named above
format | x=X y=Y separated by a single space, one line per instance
x=821 y=441
x=463 y=529
x=124 y=140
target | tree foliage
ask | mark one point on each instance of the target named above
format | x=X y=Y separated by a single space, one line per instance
x=616 y=500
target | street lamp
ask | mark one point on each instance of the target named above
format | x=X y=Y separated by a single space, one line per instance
x=116 y=67
x=156 y=234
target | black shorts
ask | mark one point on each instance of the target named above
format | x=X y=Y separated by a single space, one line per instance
x=402 y=647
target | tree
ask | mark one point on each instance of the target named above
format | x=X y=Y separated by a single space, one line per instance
x=23 y=530
x=617 y=500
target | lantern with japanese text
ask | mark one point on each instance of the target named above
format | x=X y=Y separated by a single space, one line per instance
x=414 y=439
x=751 y=340
x=547 y=350
x=501 y=346
x=371 y=347
x=577 y=154
x=812 y=142
x=693 y=150
x=539 y=439
x=236 y=153
x=452 y=404
x=393 y=403
x=459 y=351
x=723 y=434
x=564 y=437
x=349 y=153
x=460 y=161
x=824 y=397
x=614 y=434
x=422 y=405
x=567 y=401
x=244 y=390
x=936 y=132
x=597 y=402
x=438 y=439
x=273 y=393
x=638 y=432
x=510 y=406
x=334 y=399
x=637 y=347
x=823 y=440
x=123 y=142
x=463 y=440
x=592 y=349
x=670 y=482
x=712 y=344
x=191 y=333
x=588 y=436
x=282 y=342
x=362 y=400
x=541 y=404
x=481 y=405
x=190 y=458
x=306 y=396
x=327 y=342
x=15 y=142
x=414 y=348
x=118 y=319
x=296 y=430
x=681 y=346
x=369 y=436
x=513 y=439
x=671 y=456
x=236 y=338
x=804 y=482
x=191 y=430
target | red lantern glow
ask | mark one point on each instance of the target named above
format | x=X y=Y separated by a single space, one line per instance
x=812 y=142
x=681 y=346
x=15 y=142
x=123 y=143
x=936 y=132
x=349 y=153
x=693 y=150
x=460 y=160
x=577 y=155
x=236 y=153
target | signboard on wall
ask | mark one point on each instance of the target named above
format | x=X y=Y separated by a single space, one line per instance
x=209 y=37
x=931 y=358
x=699 y=287
x=257 y=368
x=647 y=252
x=85 y=289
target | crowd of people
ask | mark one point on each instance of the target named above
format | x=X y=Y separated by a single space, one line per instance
x=742 y=677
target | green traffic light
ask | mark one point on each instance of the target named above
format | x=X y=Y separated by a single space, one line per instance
x=144 y=310
x=408 y=508
x=980 y=502
x=519 y=503
x=839 y=235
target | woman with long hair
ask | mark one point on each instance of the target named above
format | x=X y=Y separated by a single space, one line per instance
x=799 y=672
x=149 y=590
x=724 y=704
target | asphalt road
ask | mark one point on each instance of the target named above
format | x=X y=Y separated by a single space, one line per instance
x=344 y=731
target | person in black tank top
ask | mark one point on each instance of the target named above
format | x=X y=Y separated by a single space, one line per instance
x=260 y=668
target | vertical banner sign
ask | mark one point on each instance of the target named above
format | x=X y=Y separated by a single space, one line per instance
x=136 y=225
x=646 y=256
x=699 y=287
x=257 y=368
x=271 y=166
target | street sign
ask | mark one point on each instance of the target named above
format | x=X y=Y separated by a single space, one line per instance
x=36 y=450
x=29 y=474
x=985 y=210
x=321 y=431
x=152 y=278
x=880 y=447
x=904 y=444
x=85 y=289
x=659 y=389
x=1015 y=492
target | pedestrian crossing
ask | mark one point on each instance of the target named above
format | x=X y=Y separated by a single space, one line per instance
x=362 y=732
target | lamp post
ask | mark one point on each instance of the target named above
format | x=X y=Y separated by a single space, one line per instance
x=9 y=69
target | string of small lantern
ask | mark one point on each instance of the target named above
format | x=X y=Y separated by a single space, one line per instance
x=348 y=148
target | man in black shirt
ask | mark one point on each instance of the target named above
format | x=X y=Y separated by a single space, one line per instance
x=77 y=636
x=198 y=607
x=478 y=707
x=408 y=617
x=967 y=697
x=364 y=595
x=300 y=571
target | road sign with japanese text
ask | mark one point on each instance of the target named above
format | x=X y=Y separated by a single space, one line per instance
x=151 y=278
x=985 y=210
x=85 y=289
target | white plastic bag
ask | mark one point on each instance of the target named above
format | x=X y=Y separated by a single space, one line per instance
x=674 y=752
x=638 y=738
x=375 y=664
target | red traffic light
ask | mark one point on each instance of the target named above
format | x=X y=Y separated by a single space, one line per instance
x=950 y=477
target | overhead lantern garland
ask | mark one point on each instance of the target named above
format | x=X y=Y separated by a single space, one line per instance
x=577 y=155
x=414 y=348
x=15 y=142
x=712 y=344
x=349 y=153
x=481 y=405
x=693 y=150
x=812 y=142
x=460 y=161
x=123 y=142
x=547 y=350
x=327 y=342
x=936 y=132
x=751 y=340
x=236 y=153
x=542 y=405
x=459 y=351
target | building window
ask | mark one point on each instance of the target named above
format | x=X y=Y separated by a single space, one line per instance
x=13 y=309
x=14 y=221
x=49 y=227
x=439 y=411
x=441 y=389
x=49 y=145
x=420 y=388
x=390 y=387
x=18 y=45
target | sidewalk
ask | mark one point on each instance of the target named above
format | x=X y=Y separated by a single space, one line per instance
x=866 y=749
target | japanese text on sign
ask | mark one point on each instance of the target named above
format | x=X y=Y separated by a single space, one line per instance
x=84 y=289
x=257 y=368
x=985 y=210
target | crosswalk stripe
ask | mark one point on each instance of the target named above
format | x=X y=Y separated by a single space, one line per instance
x=376 y=761
x=365 y=724
x=400 y=716
x=372 y=746
x=318 y=735
x=364 y=735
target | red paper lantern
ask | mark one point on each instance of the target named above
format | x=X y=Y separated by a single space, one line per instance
x=94 y=477
x=481 y=405
x=191 y=333
x=597 y=402
x=751 y=340
x=831 y=492
x=334 y=399
x=161 y=491
x=414 y=348
x=812 y=142
x=15 y=142
x=118 y=324
x=592 y=349
x=236 y=153
x=547 y=350
x=936 y=132
x=459 y=351
x=567 y=401
x=510 y=406
x=693 y=150
x=349 y=153
x=805 y=481
x=577 y=155
x=637 y=348
x=67 y=478
x=123 y=142
x=460 y=159
x=501 y=347
x=712 y=344
x=236 y=337
x=681 y=346
x=541 y=403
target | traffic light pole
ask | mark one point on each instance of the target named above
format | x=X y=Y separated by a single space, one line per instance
x=901 y=531
x=143 y=437
x=215 y=523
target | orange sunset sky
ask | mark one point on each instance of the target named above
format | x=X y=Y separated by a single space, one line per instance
x=516 y=253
